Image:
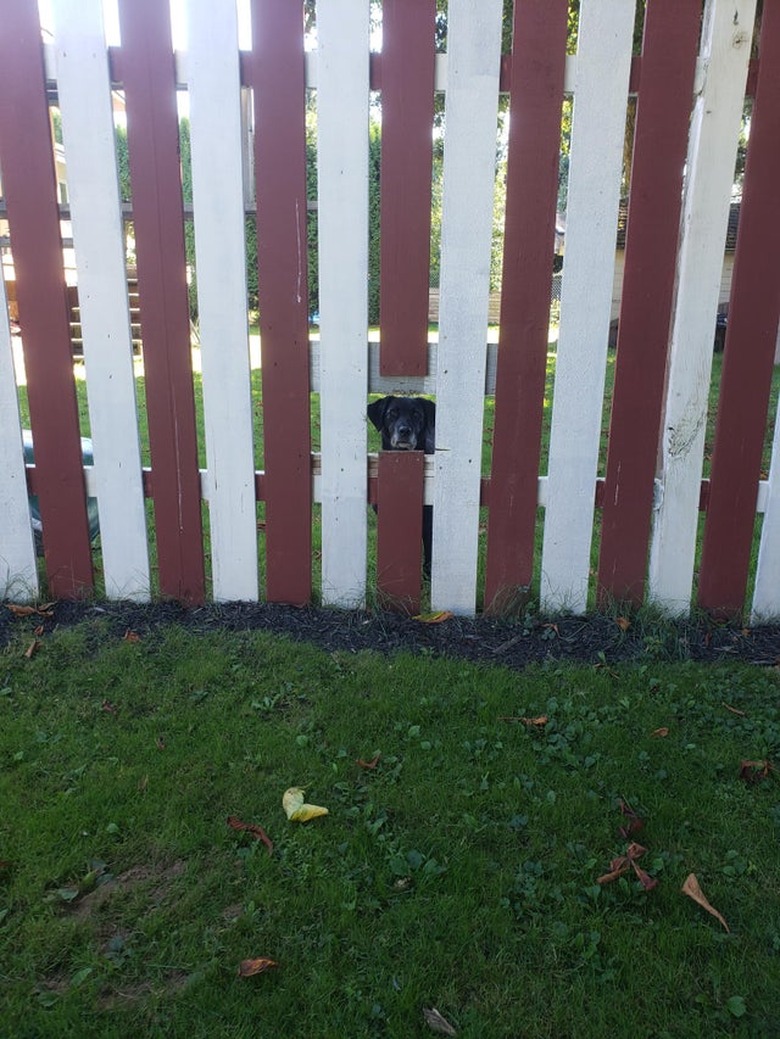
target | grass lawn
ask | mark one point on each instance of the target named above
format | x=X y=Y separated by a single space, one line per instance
x=459 y=872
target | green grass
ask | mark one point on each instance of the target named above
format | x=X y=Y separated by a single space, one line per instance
x=460 y=873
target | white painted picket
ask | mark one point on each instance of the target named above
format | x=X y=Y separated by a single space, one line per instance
x=766 y=593
x=342 y=122
x=218 y=204
x=598 y=131
x=18 y=571
x=471 y=112
x=726 y=39
x=88 y=133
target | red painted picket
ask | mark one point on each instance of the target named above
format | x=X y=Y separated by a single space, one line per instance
x=754 y=313
x=537 y=72
x=30 y=191
x=407 y=81
x=661 y=134
x=276 y=72
x=399 y=525
x=149 y=80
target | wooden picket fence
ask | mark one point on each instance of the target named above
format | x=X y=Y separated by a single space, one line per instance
x=664 y=536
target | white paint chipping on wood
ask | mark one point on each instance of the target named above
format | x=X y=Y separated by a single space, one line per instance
x=474 y=42
x=598 y=130
x=766 y=594
x=218 y=204
x=726 y=39
x=88 y=132
x=342 y=121
x=18 y=571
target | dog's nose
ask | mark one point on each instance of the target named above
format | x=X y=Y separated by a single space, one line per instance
x=404 y=432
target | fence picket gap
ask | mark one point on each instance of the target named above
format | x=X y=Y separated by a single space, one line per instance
x=471 y=113
x=342 y=121
x=598 y=130
x=218 y=204
x=93 y=188
x=726 y=38
x=18 y=571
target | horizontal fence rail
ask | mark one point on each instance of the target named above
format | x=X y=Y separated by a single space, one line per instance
x=553 y=497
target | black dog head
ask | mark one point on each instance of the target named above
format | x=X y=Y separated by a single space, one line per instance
x=406 y=423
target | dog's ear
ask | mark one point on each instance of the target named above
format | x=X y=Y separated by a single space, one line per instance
x=430 y=413
x=376 y=411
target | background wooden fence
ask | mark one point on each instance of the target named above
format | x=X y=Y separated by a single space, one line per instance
x=662 y=533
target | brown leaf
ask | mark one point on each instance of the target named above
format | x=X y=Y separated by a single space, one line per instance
x=623 y=863
x=644 y=878
x=530 y=722
x=635 y=822
x=248 y=968
x=22 y=611
x=755 y=771
x=623 y=623
x=660 y=733
x=692 y=889
x=437 y=1023
x=735 y=710
x=369 y=764
x=32 y=649
x=131 y=636
x=254 y=828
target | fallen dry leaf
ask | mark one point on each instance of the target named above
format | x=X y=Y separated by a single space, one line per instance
x=530 y=722
x=369 y=764
x=624 y=863
x=438 y=617
x=660 y=733
x=623 y=623
x=131 y=636
x=296 y=810
x=692 y=889
x=22 y=611
x=755 y=771
x=635 y=822
x=735 y=710
x=438 y=1023
x=248 y=968
x=32 y=649
x=254 y=828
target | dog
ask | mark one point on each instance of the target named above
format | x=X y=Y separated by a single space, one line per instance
x=409 y=424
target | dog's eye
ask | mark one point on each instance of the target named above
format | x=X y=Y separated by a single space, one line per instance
x=392 y=414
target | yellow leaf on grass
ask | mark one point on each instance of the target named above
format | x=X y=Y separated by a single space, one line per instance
x=296 y=810
x=434 y=618
x=692 y=890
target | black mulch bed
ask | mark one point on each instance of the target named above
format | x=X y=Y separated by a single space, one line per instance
x=590 y=640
